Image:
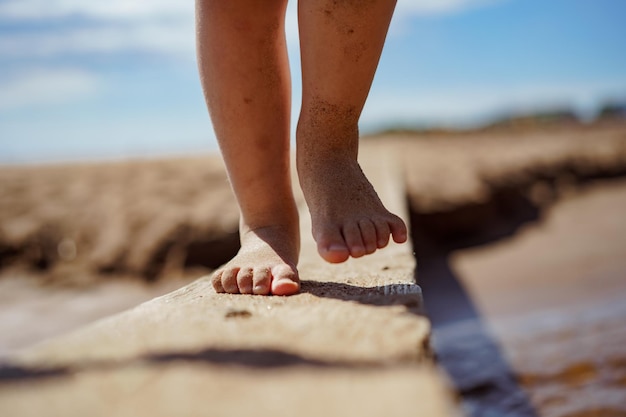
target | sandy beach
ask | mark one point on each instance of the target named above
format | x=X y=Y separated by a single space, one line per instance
x=519 y=237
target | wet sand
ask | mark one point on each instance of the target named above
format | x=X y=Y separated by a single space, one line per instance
x=533 y=324
x=31 y=312
x=574 y=256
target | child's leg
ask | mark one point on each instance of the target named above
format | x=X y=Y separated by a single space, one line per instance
x=245 y=75
x=341 y=43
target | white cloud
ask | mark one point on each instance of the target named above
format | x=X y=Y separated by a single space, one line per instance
x=291 y=25
x=476 y=105
x=38 y=87
x=171 y=39
x=132 y=9
x=153 y=26
x=406 y=8
x=110 y=9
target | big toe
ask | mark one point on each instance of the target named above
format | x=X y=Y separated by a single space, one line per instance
x=285 y=280
x=331 y=246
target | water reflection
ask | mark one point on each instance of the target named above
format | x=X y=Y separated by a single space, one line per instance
x=467 y=349
x=464 y=345
x=565 y=356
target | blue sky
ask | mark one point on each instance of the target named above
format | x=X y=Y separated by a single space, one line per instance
x=92 y=80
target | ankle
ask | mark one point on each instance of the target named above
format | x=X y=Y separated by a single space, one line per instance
x=284 y=218
x=283 y=238
x=320 y=138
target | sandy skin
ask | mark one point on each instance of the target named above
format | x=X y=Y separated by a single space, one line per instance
x=245 y=75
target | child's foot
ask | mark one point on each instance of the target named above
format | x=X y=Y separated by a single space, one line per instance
x=347 y=215
x=265 y=264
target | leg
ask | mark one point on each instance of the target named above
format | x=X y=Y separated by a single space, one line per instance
x=244 y=70
x=341 y=43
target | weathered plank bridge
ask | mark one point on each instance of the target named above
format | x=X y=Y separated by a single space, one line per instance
x=353 y=342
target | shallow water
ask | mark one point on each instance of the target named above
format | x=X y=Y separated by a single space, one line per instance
x=558 y=363
x=572 y=362
x=534 y=324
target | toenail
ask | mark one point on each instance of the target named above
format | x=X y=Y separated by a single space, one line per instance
x=358 y=251
x=260 y=290
x=337 y=248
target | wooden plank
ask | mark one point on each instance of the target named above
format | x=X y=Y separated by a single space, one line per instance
x=352 y=342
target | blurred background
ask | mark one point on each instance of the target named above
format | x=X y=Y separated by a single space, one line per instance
x=88 y=80
x=508 y=116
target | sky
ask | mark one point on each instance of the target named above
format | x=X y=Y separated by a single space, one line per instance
x=89 y=80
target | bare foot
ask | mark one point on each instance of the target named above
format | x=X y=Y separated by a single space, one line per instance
x=347 y=215
x=265 y=264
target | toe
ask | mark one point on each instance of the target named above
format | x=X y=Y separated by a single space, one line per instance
x=261 y=279
x=244 y=280
x=216 y=280
x=398 y=230
x=285 y=280
x=382 y=233
x=368 y=233
x=229 y=280
x=331 y=246
x=352 y=235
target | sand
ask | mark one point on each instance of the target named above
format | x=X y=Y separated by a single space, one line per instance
x=31 y=311
x=163 y=218
x=143 y=218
